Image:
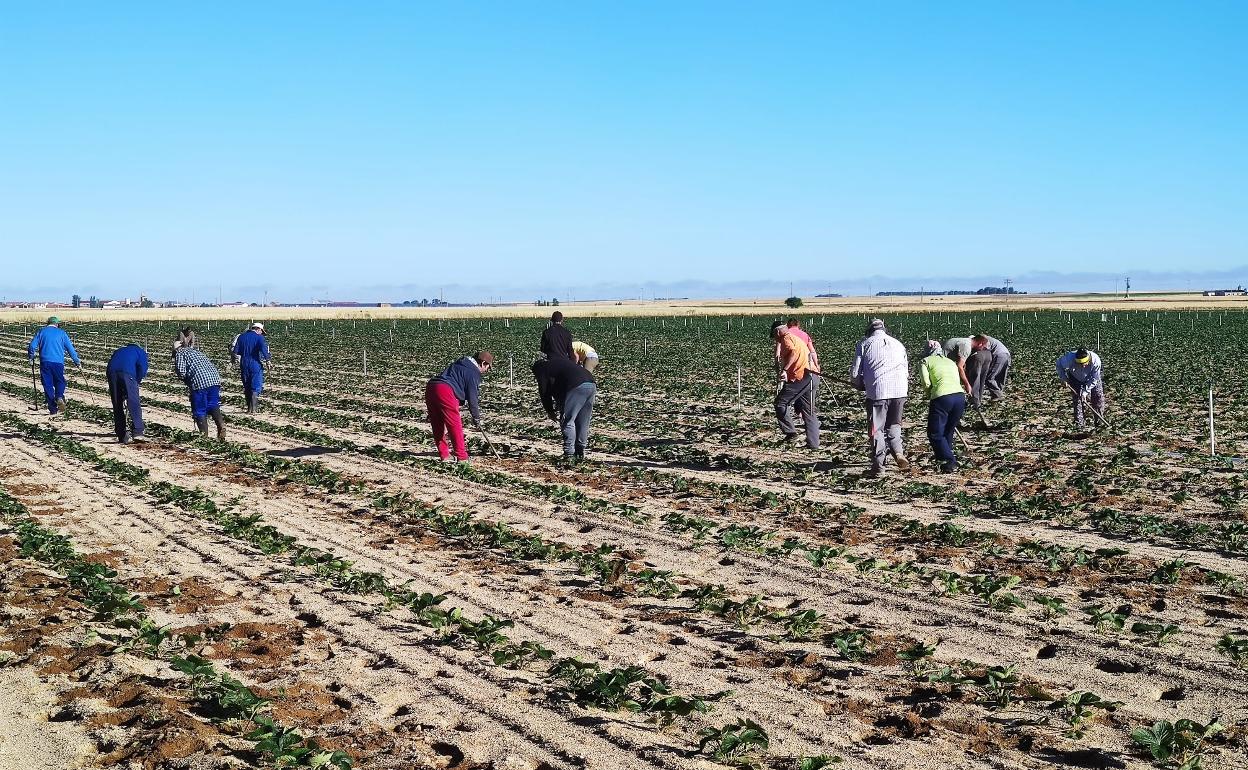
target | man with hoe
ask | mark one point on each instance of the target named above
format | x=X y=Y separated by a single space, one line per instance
x=945 y=404
x=458 y=383
x=994 y=369
x=961 y=351
x=1080 y=372
x=881 y=370
x=557 y=340
x=797 y=385
x=571 y=388
x=253 y=356
x=203 y=382
x=127 y=367
x=52 y=343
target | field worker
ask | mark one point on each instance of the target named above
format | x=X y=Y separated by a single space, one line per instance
x=585 y=355
x=571 y=388
x=203 y=382
x=881 y=371
x=1080 y=371
x=253 y=351
x=946 y=402
x=557 y=340
x=795 y=327
x=52 y=343
x=459 y=383
x=797 y=382
x=961 y=350
x=995 y=367
x=126 y=369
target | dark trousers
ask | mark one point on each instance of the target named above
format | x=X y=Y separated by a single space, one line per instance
x=943 y=415
x=123 y=389
x=800 y=396
x=53 y=378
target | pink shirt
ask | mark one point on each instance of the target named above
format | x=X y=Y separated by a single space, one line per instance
x=803 y=336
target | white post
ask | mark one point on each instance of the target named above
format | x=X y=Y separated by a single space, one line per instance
x=738 y=383
x=1212 y=441
x=511 y=371
x=645 y=346
x=1098 y=339
x=366 y=361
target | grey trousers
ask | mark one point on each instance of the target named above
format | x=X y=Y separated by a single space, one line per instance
x=977 y=369
x=998 y=372
x=1096 y=398
x=800 y=396
x=884 y=417
x=574 y=419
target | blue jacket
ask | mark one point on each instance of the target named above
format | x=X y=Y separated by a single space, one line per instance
x=51 y=343
x=464 y=377
x=131 y=359
x=251 y=346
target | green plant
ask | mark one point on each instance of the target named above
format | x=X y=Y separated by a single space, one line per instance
x=734 y=743
x=1077 y=707
x=1106 y=619
x=918 y=657
x=1235 y=648
x=850 y=643
x=1157 y=633
x=1178 y=744
x=817 y=762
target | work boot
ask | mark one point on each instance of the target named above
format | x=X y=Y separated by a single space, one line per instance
x=202 y=424
x=580 y=455
x=61 y=403
x=126 y=439
x=139 y=439
x=219 y=419
x=902 y=463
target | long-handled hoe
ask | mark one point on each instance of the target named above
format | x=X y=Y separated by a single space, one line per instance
x=488 y=443
x=34 y=388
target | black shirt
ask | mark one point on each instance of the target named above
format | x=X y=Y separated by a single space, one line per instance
x=555 y=378
x=557 y=343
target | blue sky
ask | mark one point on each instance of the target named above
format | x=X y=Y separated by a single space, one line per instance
x=384 y=150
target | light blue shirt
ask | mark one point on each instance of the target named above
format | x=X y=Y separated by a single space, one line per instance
x=1072 y=372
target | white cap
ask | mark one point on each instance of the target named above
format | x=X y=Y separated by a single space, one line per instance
x=258 y=325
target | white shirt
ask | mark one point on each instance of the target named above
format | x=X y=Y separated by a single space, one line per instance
x=882 y=367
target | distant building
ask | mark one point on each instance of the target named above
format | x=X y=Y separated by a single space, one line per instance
x=1238 y=291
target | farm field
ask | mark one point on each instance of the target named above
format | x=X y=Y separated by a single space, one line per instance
x=320 y=592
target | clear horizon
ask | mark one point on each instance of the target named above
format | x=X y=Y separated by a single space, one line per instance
x=497 y=151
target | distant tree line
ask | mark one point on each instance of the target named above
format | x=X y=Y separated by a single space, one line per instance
x=951 y=292
x=424 y=303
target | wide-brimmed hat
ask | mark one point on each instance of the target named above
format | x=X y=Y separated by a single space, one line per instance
x=258 y=325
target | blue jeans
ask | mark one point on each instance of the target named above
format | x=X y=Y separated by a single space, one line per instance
x=205 y=400
x=575 y=416
x=53 y=377
x=123 y=389
x=943 y=415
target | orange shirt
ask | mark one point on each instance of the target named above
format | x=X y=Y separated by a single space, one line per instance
x=790 y=344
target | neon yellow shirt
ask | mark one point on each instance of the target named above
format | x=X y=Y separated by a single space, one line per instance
x=939 y=376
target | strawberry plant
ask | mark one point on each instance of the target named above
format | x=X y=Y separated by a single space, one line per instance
x=735 y=744
x=1180 y=744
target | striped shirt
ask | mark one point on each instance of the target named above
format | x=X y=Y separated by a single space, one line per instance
x=881 y=367
x=194 y=368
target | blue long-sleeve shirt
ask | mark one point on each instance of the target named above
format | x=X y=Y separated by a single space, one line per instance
x=251 y=346
x=51 y=343
x=1071 y=372
x=131 y=359
x=464 y=377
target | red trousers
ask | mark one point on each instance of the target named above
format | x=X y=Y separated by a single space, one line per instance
x=444 y=417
